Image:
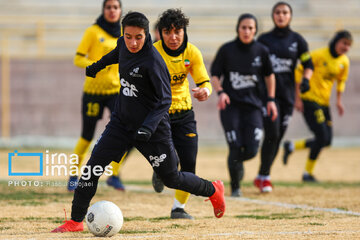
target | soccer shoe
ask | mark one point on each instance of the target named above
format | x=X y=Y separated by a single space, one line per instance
x=258 y=183
x=72 y=183
x=115 y=181
x=179 y=213
x=266 y=186
x=69 y=226
x=287 y=151
x=157 y=183
x=236 y=192
x=218 y=199
x=309 y=178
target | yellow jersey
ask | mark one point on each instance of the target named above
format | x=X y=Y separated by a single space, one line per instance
x=190 y=61
x=327 y=69
x=96 y=43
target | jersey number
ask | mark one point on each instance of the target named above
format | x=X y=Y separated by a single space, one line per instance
x=93 y=109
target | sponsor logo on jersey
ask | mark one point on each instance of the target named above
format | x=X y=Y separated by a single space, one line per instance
x=156 y=160
x=293 y=47
x=178 y=78
x=257 y=62
x=135 y=73
x=239 y=81
x=128 y=89
x=187 y=62
x=281 y=65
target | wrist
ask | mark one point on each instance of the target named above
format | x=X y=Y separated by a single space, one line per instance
x=270 y=99
x=220 y=92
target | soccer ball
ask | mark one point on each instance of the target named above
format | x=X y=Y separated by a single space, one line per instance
x=104 y=219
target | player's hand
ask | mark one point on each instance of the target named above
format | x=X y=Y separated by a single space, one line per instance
x=89 y=72
x=340 y=108
x=299 y=106
x=223 y=101
x=201 y=94
x=271 y=110
x=304 y=86
x=143 y=134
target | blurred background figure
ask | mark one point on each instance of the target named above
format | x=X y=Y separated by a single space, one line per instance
x=286 y=47
x=237 y=72
x=100 y=92
x=330 y=65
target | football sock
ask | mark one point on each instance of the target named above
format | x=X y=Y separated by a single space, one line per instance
x=81 y=149
x=180 y=199
x=310 y=165
x=117 y=166
x=300 y=144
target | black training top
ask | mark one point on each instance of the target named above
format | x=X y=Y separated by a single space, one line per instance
x=243 y=67
x=145 y=93
x=286 y=47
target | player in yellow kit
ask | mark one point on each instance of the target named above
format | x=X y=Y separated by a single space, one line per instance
x=330 y=65
x=182 y=58
x=99 y=92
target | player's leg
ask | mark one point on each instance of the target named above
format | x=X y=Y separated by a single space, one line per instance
x=231 y=121
x=92 y=109
x=111 y=145
x=185 y=140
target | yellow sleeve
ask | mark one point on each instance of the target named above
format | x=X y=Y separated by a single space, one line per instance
x=81 y=59
x=299 y=73
x=198 y=70
x=343 y=76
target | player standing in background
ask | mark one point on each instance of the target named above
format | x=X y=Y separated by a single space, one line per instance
x=330 y=65
x=140 y=119
x=181 y=58
x=286 y=47
x=99 y=92
x=243 y=63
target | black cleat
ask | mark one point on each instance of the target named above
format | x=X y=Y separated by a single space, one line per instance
x=309 y=178
x=287 y=151
x=157 y=183
x=179 y=213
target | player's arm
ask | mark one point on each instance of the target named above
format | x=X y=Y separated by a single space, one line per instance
x=270 y=82
x=306 y=62
x=81 y=59
x=341 y=87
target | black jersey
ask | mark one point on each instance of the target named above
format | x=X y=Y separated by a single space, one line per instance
x=243 y=67
x=286 y=47
x=145 y=93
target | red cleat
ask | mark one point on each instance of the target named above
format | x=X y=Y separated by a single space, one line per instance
x=70 y=226
x=257 y=183
x=266 y=186
x=218 y=199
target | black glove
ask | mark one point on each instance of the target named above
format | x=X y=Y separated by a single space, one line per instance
x=143 y=134
x=90 y=72
x=304 y=86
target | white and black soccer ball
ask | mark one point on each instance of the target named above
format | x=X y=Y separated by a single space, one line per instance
x=104 y=219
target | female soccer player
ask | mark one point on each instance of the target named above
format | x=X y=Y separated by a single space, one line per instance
x=182 y=58
x=140 y=119
x=286 y=48
x=330 y=65
x=243 y=63
x=99 y=92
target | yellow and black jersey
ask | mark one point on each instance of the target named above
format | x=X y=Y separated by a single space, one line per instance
x=96 y=43
x=190 y=61
x=327 y=69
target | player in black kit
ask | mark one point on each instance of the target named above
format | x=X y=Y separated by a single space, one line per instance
x=140 y=119
x=243 y=64
x=285 y=47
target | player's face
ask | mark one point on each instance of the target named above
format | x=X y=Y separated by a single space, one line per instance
x=247 y=30
x=173 y=38
x=112 y=11
x=282 y=16
x=134 y=38
x=342 y=46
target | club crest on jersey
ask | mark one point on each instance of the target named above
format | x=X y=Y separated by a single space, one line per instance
x=187 y=62
x=135 y=73
x=257 y=62
x=293 y=47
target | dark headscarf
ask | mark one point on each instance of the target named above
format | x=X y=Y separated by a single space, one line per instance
x=338 y=35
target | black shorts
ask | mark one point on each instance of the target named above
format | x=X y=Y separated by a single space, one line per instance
x=93 y=105
x=317 y=117
x=242 y=125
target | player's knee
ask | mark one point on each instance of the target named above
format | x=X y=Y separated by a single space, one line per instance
x=250 y=152
x=171 y=180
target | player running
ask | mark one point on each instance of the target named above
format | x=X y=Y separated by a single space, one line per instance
x=330 y=65
x=140 y=119
x=181 y=58
x=243 y=63
x=101 y=91
x=286 y=47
